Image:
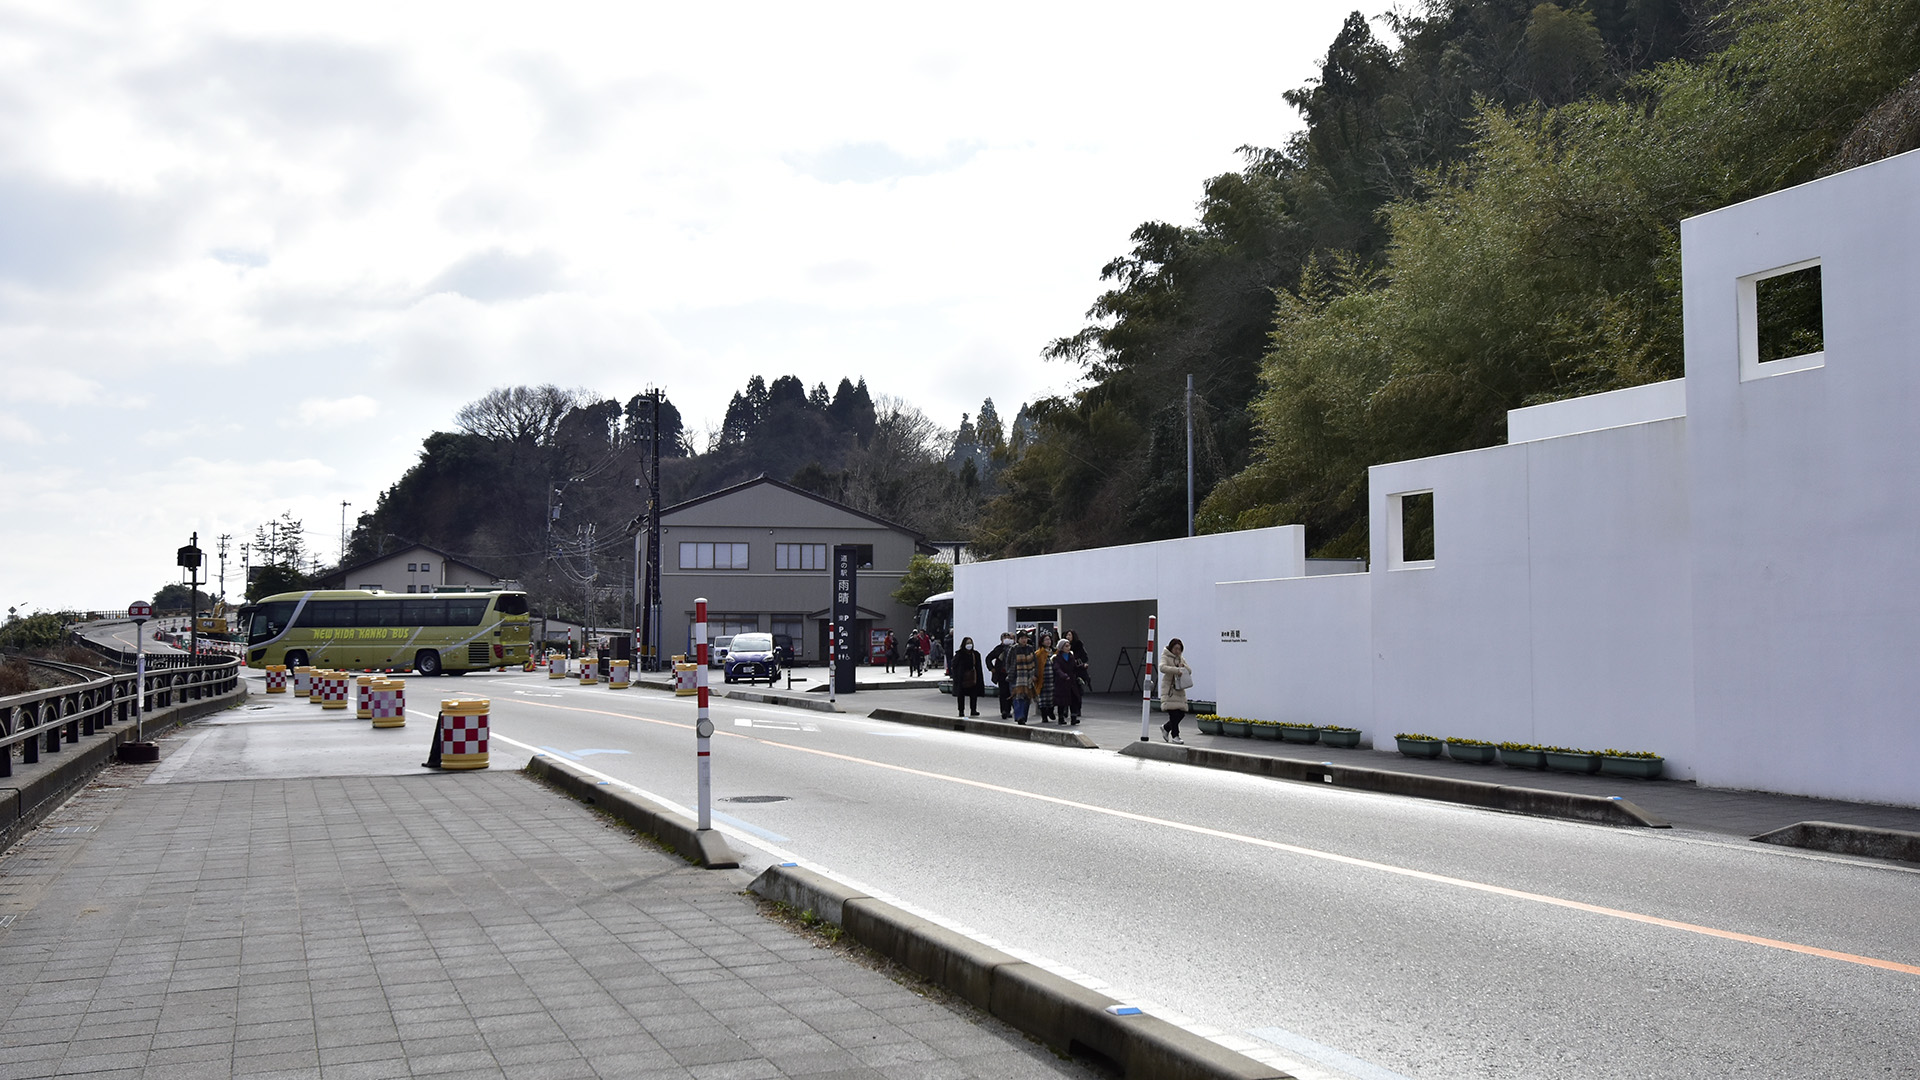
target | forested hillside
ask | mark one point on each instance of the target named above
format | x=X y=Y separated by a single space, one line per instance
x=1481 y=216
x=1482 y=212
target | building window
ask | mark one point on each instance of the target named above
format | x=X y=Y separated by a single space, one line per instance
x=410 y=588
x=704 y=556
x=1782 y=323
x=799 y=556
x=1410 y=530
x=413 y=568
x=426 y=568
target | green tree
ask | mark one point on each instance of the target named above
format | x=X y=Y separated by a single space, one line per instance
x=40 y=630
x=925 y=576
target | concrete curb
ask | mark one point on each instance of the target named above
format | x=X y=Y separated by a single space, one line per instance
x=1841 y=839
x=1065 y=1015
x=1535 y=802
x=702 y=846
x=792 y=701
x=25 y=801
x=1055 y=736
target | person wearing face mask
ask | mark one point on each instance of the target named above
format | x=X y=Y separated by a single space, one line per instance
x=1000 y=666
x=964 y=668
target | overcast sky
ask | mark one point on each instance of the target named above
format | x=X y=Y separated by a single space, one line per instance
x=252 y=253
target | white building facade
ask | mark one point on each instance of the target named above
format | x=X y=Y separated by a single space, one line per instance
x=1720 y=569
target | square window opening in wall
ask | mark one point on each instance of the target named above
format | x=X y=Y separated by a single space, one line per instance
x=1782 y=321
x=1410 y=530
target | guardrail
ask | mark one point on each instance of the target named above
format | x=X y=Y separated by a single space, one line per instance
x=46 y=720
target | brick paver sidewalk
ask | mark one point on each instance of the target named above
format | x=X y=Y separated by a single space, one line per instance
x=462 y=925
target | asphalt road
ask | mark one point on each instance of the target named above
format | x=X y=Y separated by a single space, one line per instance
x=1337 y=933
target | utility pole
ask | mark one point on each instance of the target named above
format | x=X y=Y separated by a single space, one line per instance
x=190 y=559
x=586 y=607
x=650 y=611
x=1189 y=453
x=221 y=543
x=343 y=532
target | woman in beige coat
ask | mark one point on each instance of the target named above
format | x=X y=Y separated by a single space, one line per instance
x=1175 y=677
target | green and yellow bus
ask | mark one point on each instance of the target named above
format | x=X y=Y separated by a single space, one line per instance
x=359 y=629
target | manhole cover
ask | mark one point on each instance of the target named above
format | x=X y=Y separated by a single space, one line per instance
x=756 y=798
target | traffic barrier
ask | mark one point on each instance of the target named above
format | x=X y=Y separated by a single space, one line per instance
x=303 y=682
x=557 y=666
x=685 y=680
x=388 y=703
x=620 y=678
x=589 y=671
x=528 y=666
x=463 y=733
x=363 y=697
x=331 y=689
x=276 y=678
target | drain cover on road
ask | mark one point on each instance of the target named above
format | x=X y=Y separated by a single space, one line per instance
x=756 y=798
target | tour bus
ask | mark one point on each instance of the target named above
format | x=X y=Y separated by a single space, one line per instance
x=936 y=618
x=359 y=629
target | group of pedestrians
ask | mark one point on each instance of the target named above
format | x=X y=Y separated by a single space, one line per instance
x=919 y=648
x=1033 y=674
x=1049 y=677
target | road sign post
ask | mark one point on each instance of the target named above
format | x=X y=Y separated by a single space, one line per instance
x=703 y=723
x=846 y=583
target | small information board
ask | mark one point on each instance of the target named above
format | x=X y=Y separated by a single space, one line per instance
x=139 y=612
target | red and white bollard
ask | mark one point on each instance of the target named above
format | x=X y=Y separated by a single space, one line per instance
x=463 y=733
x=1146 y=687
x=703 y=724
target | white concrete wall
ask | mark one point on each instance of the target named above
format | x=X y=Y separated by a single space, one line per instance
x=1177 y=575
x=1596 y=412
x=1298 y=650
x=1806 y=556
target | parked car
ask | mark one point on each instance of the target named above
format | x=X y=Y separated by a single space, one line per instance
x=717 y=651
x=783 y=646
x=753 y=657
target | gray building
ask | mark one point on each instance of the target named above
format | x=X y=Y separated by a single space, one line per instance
x=761 y=553
x=417 y=569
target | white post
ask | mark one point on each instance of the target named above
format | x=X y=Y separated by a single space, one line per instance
x=1146 y=684
x=139 y=680
x=703 y=725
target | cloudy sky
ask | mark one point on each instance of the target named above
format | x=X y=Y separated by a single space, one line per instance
x=251 y=253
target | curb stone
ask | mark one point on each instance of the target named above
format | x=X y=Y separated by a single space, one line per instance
x=703 y=847
x=1841 y=839
x=1057 y=736
x=1534 y=802
x=1061 y=1013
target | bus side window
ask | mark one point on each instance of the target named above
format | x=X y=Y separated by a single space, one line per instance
x=466 y=611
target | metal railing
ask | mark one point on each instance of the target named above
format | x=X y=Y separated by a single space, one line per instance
x=47 y=720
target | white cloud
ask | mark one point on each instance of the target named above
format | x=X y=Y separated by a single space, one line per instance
x=330 y=413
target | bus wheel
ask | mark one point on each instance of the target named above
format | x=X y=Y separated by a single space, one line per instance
x=296 y=659
x=427 y=662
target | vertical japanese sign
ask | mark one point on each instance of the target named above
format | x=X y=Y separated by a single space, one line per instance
x=846 y=571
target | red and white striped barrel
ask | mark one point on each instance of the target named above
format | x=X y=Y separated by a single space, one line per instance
x=333 y=690
x=463 y=733
x=557 y=666
x=303 y=682
x=363 y=697
x=589 y=670
x=387 y=701
x=276 y=678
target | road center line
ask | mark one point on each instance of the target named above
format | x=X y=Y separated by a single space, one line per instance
x=1314 y=853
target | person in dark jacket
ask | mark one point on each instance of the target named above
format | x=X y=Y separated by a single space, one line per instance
x=1067 y=672
x=1000 y=666
x=893 y=652
x=1025 y=684
x=968 y=677
x=914 y=655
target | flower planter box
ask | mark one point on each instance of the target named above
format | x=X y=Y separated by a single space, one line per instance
x=1269 y=732
x=1420 y=748
x=1523 y=759
x=1234 y=727
x=1573 y=763
x=1209 y=727
x=1343 y=739
x=1300 y=734
x=1637 y=767
x=1468 y=752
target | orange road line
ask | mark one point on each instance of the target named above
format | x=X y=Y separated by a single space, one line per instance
x=1313 y=853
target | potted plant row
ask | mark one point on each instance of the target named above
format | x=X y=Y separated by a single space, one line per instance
x=1638 y=764
x=1474 y=751
x=1279 y=730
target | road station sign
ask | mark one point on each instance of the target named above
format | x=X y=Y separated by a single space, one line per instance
x=139 y=612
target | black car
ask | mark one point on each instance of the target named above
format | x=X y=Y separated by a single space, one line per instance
x=752 y=657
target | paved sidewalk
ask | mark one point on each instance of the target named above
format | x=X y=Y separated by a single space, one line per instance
x=471 y=924
x=1113 y=720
